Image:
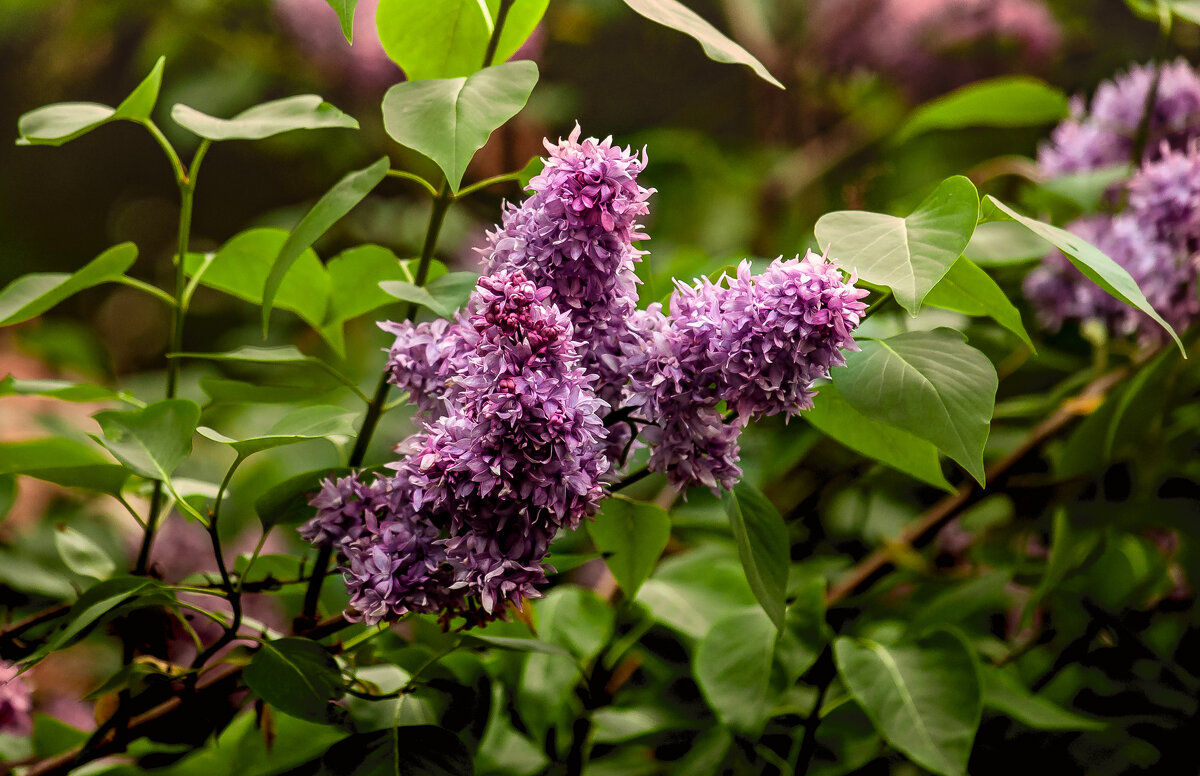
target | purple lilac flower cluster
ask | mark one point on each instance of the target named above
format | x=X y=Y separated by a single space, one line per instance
x=16 y=703
x=1156 y=236
x=515 y=392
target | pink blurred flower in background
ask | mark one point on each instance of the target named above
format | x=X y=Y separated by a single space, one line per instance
x=16 y=703
x=363 y=66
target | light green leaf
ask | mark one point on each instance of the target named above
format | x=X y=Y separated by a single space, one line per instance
x=345 y=11
x=152 y=441
x=297 y=676
x=502 y=749
x=82 y=555
x=969 y=290
x=719 y=48
x=924 y=698
x=692 y=590
x=834 y=417
x=31 y=295
x=1000 y=243
x=733 y=668
x=1010 y=101
x=450 y=119
x=1088 y=259
x=63 y=390
x=242 y=265
x=908 y=255
x=448 y=38
x=306 y=111
x=631 y=535
x=1005 y=693
x=300 y=425
x=56 y=124
x=354 y=277
x=930 y=384
x=763 y=545
x=63 y=462
x=442 y=296
x=1086 y=189
x=330 y=208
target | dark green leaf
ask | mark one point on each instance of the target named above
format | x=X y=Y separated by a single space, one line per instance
x=930 y=384
x=673 y=14
x=1010 y=101
x=306 y=111
x=692 y=590
x=416 y=750
x=969 y=290
x=152 y=441
x=763 y=545
x=805 y=634
x=985 y=593
x=287 y=502
x=450 y=119
x=63 y=462
x=514 y=644
x=345 y=12
x=833 y=416
x=631 y=535
x=56 y=124
x=82 y=555
x=99 y=603
x=31 y=295
x=924 y=698
x=1089 y=260
x=733 y=669
x=297 y=676
x=502 y=749
x=1005 y=692
x=448 y=38
x=908 y=255
x=283 y=355
x=299 y=425
x=1071 y=548
x=330 y=209
x=223 y=391
x=63 y=390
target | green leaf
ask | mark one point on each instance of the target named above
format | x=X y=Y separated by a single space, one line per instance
x=56 y=124
x=297 y=676
x=1086 y=189
x=448 y=38
x=354 y=277
x=733 y=668
x=425 y=296
x=930 y=384
x=450 y=119
x=152 y=441
x=31 y=295
x=1010 y=101
x=692 y=590
x=717 y=47
x=923 y=698
x=1000 y=243
x=502 y=749
x=1005 y=693
x=908 y=255
x=763 y=545
x=330 y=208
x=282 y=355
x=98 y=603
x=243 y=264
x=63 y=390
x=969 y=290
x=345 y=11
x=1088 y=259
x=306 y=111
x=223 y=391
x=299 y=425
x=1071 y=549
x=986 y=593
x=834 y=417
x=631 y=535
x=413 y=750
x=82 y=555
x=805 y=634
x=514 y=644
x=63 y=462
x=287 y=502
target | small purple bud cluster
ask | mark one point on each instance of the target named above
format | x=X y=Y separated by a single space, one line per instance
x=515 y=392
x=1156 y=237
x=16 y=703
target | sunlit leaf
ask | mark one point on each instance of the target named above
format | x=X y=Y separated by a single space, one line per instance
x=306 y=111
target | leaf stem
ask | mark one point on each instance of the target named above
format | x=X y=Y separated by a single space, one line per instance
x=234 y=594
x=494 y=41
x=409 y=176
x=483 y=184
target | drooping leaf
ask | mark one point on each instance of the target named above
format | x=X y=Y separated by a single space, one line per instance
x=502 y=749
x=31 y=295
x=719 y=48
x=297 y=676
x=908 y=255
x=631 y=535
x=56 y=124
x=442 y=296
x=450 y=119
x=306 y=111
x=151 y=441
x=969 y=290
x=63 y=462
x=63 y=390
x=1071 y=548
x=833 y=416
x=302 y=424
x=448 y=38
x=1088 y=259
x=763 y=545
x=1002 y=243
x=733 y=669
x=330 y=208
x=1005 y=693
x=930 y=384
x=282 y=355
x=82 y=555
x=345 y=11
x=924 y=698
x=1009 y=101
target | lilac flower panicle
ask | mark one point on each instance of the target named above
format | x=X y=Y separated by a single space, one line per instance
x=1164 y=196
x=16 y=703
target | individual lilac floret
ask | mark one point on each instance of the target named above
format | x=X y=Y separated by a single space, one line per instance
x=425 y=358
x=781 y=331
x=16 y=703
x=1106 y=134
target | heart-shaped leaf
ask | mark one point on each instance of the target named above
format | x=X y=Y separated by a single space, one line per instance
x=763 y=545
x=969 y=290
x=82 y=555
x=930 y=384
x=56 y=124
x=297 y=676
x=631 y=535
x=31 y=295
x=449 y=119
x=908 y=255
x=733 y=668
x=152 y=441
x=305 y=111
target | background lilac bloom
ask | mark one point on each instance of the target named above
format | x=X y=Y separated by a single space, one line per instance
x=16 y=703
